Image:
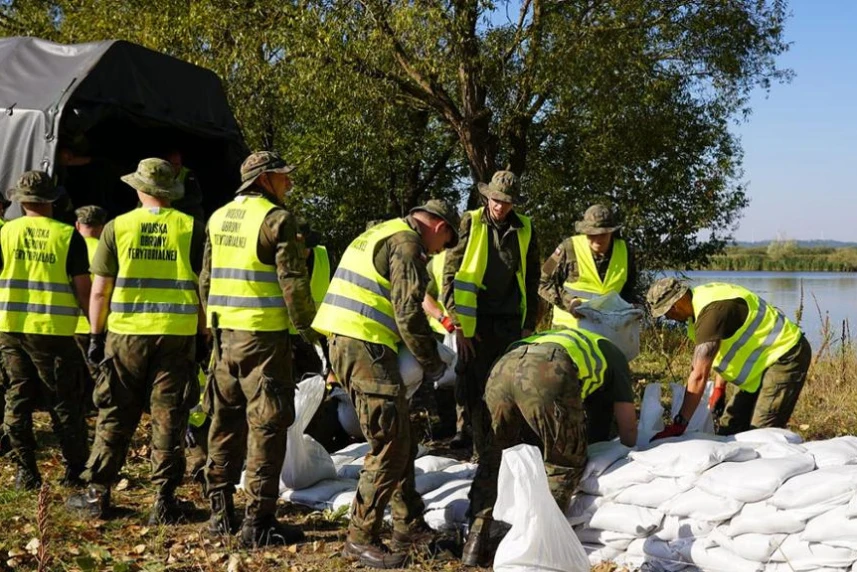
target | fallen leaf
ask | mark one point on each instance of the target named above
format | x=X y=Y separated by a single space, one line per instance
x=73 y=550
x=12 y=563
x=318 y=546
x=803 y=427
x=33 y=546
x=29 y=529
x=144 y=531
x=235 y=564
x=15 y=553
x=140 y=549
x=122 y=485
x=216 y=557
x=293 y=548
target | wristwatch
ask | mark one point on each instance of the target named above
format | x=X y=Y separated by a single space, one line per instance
x=679 y=420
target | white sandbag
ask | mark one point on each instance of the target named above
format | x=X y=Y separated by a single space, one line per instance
x=448 y=351
x=448 y=493
x=851 y=511
x=449 y=518
x=432 y=464
x=675 y=527
x=762 y=518
x=834 y=452
x=345 y=498
x=651 y=415
x=701 y=421
x=816 y=487
x=601 y=455
x=832 y=525
x=615 y=319
x=346 y=414
x=700 y=505
x=779 y=450
x=540 y=538
x=412 y=372
x=351 y=469
x=680 y=458
x=803 y=555
x=616 y=478
x=320 y=495
x=582 y=507
x=711 y=558
x=786 y=567
x=306 y=461
x=656 y=492
x=767 y=435
x=753 y=546
x=755 y=480
x=618 y=540
x=626 y=518
x=661 y=554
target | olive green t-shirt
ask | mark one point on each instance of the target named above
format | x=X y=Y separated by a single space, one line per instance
x=720 y=320
x=617 y=379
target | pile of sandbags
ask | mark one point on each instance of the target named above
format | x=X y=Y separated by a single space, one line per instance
x=758 y=501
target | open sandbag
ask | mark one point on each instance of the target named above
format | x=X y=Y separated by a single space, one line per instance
x=306 y=461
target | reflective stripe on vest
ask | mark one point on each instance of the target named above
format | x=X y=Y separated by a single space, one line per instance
x=36 y=296
x=154 y=292
x=582 y=348
x=764 y=337
x=468 y=280
x=319 y=282
x=589 y=283
x=357 y=304
x=91 y=246
x=245 y=292
x=435 y=268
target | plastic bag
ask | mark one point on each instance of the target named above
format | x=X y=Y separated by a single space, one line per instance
x=701 y=421
x=540 y=538
x=615 y=319
x=306 y=461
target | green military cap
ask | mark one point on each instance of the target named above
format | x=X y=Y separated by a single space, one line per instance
x=443 y=210
x=663 y=294
x=503 y=187
x=34 y=187
x=261 y=162
x=598 y=219
x=155 y=177
x=91 y=215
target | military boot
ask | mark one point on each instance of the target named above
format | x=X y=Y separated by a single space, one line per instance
x=476 y=551
x=5 y=444
x=27 y=478
x=222 y=519
x=94 y=503
x=167 y=510
x=71 y=478
x=374 y=555
x=268 y=531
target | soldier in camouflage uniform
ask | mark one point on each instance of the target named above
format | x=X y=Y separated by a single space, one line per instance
x=256 y=286
x=39 y=305
x=145 y=297
x=374 y=303
x=535 y=395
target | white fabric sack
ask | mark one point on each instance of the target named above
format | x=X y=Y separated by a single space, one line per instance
x=349 y=453
x=651 y=415
x=320 y=495
x=816 y=487
x=656 y=492
x=767 y=435
x=616 y=478
x=448 y=351
x=582 y=507
x=615 y=319
x=851 y=511
x=762 y=518
x=802 y=555
x=706 y=556
x=680 y=458
x=756 y=480
x=700 y=505
x=830 y=526
x=665 y=554
x=540 y=538
x=701 y=421
x=626 y=518
x=779 y=450
x=618 y=540
x=753 y=546
x=675 y=527
x=412 y=372
x=834 y=452
x=786 y=567
x=601 y=455
x=346 y=413
x=306 y=461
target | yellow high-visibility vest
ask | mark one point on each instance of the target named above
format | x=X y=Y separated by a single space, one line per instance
x=436 y=268
x=319 y=281
x=245 y=293
x=764 y=337
x=36 y=295
x=582 y=348
x=588 y=283
x=357 y=304
x=155 y=292
x=468 y=280
x=83 y=321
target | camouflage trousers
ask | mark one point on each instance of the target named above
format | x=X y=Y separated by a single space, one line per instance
x=90 y=372
x=251 y=404
x=47 y=370
x=370 y=373
x=533 y=395
x=142 y=373
x=494 y=336
x=773 y=403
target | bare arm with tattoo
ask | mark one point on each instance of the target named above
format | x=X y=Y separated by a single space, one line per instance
x=703 y=360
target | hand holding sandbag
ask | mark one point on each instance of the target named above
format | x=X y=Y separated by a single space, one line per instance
x=717 y=401
x=672 y=430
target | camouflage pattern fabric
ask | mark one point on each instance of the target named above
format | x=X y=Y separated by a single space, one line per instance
x=90 y=373
x=140 y=373
x=44 y=369
x=251 y=404
x=370 y=373
x=533 y=394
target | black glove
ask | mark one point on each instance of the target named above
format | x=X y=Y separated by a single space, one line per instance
x=201 y=353
x=95 y=352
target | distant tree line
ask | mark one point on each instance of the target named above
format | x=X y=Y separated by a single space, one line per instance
x=785 y=256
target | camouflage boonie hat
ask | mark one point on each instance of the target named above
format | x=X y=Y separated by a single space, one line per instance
x=91 y=215
x=598 y=219
x=663 y=294
x=261 y=162
x=503 y=187
x=34 y=187
x=156 y=178
x=441 y=209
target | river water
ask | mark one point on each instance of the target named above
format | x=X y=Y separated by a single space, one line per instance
x=826 y=295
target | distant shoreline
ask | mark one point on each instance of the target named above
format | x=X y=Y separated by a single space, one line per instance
x=785 y=256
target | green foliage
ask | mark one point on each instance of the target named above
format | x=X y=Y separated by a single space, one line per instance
x=384 y=103
x=785 y=256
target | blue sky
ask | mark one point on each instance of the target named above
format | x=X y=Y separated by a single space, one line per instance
x=800 y=143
